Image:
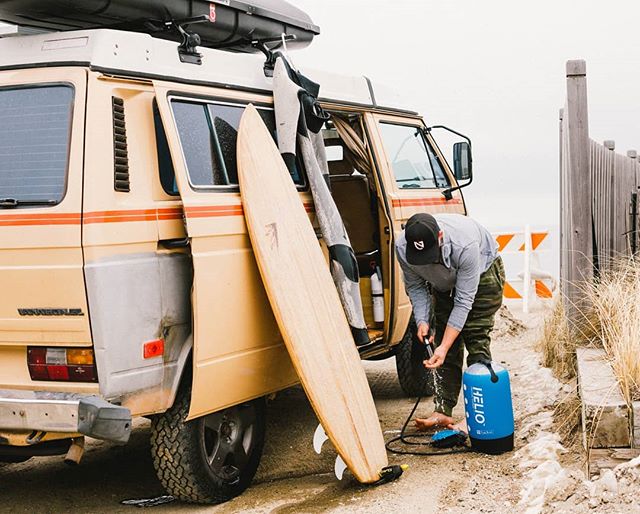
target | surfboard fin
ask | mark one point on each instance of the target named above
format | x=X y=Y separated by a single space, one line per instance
x=319 y=438
x=339 y=467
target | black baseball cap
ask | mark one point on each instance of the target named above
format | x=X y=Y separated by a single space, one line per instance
x=421 y=233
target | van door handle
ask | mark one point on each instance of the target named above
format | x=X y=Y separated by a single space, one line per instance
x=172 y=244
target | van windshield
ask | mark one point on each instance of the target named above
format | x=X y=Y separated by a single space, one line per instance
x=413 y=160
x=35 y=128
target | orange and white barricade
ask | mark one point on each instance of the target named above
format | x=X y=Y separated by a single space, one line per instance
x=522 y=253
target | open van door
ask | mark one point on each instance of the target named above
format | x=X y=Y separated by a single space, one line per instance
x=415 y=174
x=238 y=349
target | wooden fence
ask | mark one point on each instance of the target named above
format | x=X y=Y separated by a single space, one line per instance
x=614 y=179
x=598 y=196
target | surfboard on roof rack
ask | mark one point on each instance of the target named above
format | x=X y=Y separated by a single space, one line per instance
x=231 y=24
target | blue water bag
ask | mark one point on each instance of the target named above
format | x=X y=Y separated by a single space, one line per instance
x=488 y=407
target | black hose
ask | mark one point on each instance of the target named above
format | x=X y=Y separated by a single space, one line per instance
x=403 y=439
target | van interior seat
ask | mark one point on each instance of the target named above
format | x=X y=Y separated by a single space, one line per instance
x=351 y=193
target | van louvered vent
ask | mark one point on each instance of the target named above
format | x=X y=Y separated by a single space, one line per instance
x=120 y=150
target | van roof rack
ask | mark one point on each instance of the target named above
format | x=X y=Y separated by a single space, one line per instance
x=270 y=54
x=191 y=40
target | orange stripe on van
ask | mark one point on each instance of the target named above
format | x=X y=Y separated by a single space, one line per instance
x=212 y=211
x=16 y=220
x=90 y=217
x=125 y=216
x=171 y=213
x=119 y=216
x=420 y=202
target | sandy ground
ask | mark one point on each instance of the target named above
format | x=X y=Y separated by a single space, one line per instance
x=293 y=479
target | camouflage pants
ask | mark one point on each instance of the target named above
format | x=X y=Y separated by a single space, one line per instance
x=475 y=336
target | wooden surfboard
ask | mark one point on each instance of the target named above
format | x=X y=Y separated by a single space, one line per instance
x=305 y=302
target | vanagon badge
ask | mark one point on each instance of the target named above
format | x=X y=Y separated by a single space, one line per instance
x=50 y=312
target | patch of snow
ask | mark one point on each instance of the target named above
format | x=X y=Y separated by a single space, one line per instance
x=540 y=458
x=546 y=447
x=538 y=390
x=541 y=478
x=537 y=386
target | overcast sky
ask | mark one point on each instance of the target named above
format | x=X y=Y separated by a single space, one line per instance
x=495 y=70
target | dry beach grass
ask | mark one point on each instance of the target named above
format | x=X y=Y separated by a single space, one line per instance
x=556 y=345
x=611 y=321
x=615 y=304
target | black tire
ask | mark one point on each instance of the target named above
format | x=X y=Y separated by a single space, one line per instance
x=12 y=459
x=415 y=380
x=193 y=465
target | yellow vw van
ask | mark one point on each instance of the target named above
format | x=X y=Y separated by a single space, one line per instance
x=125 y=295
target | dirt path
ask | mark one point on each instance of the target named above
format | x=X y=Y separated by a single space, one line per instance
x=293 y=479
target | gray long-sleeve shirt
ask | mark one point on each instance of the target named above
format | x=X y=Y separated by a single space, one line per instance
x=468 y=248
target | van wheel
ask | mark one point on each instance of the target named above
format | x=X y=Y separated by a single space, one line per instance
x=210 y=459
x=415 y=380
x=12 y=459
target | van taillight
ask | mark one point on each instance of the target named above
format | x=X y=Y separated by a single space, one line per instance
x=62 y=364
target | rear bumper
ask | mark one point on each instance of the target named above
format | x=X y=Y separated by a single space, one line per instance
x=64 y=412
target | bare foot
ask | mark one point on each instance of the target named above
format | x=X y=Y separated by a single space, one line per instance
x=436 y=419
x=461 y=426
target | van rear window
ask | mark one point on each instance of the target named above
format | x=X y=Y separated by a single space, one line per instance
x=35 y=128
x=208 y=135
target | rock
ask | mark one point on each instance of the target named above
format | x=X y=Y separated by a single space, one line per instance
x=562 y=490
x=594 y=502
x=506 y=324
x=606 y=483
x=605 y=414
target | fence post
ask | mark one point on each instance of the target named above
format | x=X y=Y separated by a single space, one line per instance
x=610 y=145
x=632 y=235
x=563 y=185
x=579 y=188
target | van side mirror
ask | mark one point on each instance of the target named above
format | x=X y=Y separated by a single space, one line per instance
x=462 y=161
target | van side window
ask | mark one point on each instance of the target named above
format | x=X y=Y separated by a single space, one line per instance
x=414 y=162
x=34 y=143
x=165 y=164
x=208 y=135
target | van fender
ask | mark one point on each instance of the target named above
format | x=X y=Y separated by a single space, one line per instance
x=156 y=400
x=184 y=363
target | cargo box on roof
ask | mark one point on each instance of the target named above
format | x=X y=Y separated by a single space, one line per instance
x=232 y=24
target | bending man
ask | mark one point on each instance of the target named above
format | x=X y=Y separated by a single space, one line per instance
x=451 y=262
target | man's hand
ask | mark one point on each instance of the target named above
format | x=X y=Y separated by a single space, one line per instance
x=438 y=358
x=423 y=331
